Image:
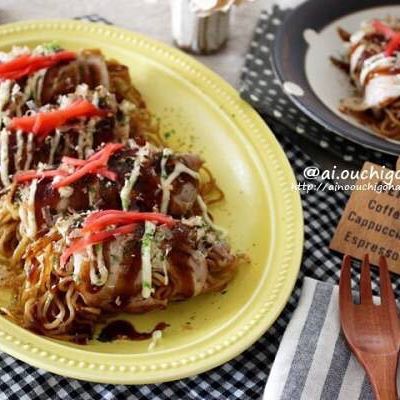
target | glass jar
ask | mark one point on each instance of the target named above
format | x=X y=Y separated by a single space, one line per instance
x=198 y=33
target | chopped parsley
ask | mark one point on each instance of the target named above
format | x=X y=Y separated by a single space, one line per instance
x=169 y=133
x=146 y=285
x=52 y=47
x=147 y=239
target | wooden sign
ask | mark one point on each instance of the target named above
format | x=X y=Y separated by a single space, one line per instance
x=371 y=220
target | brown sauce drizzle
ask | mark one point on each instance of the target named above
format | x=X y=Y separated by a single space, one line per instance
x=343 y=65
x=121 y=329
x=343 y=34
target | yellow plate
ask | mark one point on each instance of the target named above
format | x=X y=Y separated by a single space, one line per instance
x=262 y=212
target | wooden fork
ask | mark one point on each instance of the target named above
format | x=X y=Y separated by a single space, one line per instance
x=372 y=331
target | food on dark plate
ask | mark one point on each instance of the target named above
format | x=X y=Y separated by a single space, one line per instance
x=372 y=62
x=97 y=216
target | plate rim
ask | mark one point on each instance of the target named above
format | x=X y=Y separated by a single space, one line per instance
x=346 y=130
x=44 y=353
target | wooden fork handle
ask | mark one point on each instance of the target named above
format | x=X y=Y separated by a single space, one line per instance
x=382 y=372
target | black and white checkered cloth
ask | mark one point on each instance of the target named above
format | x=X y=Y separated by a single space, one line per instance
x=243 y=377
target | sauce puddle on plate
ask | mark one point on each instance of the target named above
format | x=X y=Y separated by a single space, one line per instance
x=120 y=329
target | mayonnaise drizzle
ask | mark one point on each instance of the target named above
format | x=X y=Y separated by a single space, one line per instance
x=34 y=85
x=377 y=61
x=5 y=91
x=99 y=273
x=55 y=141
x=90 y=130
x=166 y=182
x=355 y=57
x=357 y=36
x=31 y=228
x=20 y=150
x=78 y=259
x=164 y=264
x=164 y=158
x=149 y=230
x=85 y=138
x=81 y=142
x=29 y=151
x=141 y=155
x=155 y=338
x=206 y=217
x=4 y=157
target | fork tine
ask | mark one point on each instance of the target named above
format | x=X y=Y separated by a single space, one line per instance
x=386 y=289
x=345 y=294
x=365 y=282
